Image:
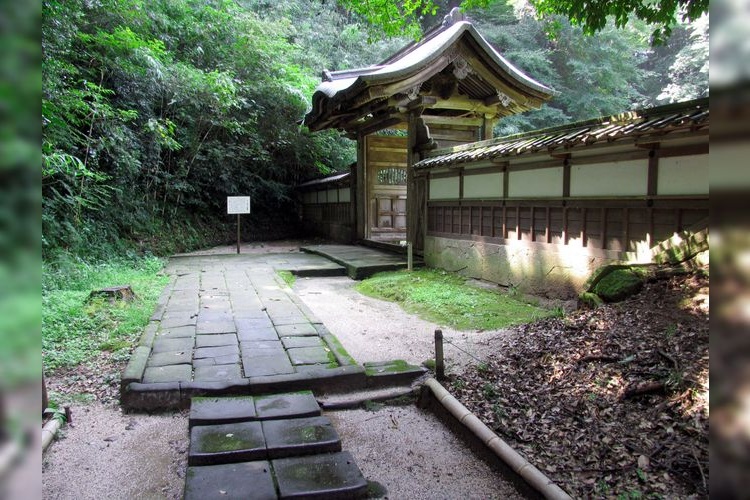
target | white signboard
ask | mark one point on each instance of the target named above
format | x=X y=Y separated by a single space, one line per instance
x=238 y=204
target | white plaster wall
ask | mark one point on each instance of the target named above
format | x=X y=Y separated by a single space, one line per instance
x=535 y=183
x=620 y=178
x=446 y=188
x=683 y=175
x=345 y=195
x=483 y=186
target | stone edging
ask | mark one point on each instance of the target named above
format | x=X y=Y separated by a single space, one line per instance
x=468 y=422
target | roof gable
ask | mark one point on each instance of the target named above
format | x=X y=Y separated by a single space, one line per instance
x=453 y=69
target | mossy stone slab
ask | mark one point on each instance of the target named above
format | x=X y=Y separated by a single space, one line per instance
x=216 y=327
x=257 y=334
x=300 y=436
x=296 y=342
x=216 y=340
x=177 y=332
x=225 y=410
x=226 y=443
x=229 y=359
x=297 y=329
x=246 y=481
x=171 y=373
x=172 y=345
x=216 y=352
x=261 y=366
x=217 y=373
x=289 y=405
x=329 y=476
x=170 y=358
x=309 y=355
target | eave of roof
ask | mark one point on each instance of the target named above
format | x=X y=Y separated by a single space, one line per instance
x=662 y=120
x=325 y=180
x=411 y=62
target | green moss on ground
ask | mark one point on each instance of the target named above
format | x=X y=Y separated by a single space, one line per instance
x=619 y=284
x=446 y=299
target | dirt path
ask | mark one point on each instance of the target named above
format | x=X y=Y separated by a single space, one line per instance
x=106 y=454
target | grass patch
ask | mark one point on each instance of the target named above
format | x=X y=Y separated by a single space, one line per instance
x=446 y=299
x=75 y=329
x=288 y=277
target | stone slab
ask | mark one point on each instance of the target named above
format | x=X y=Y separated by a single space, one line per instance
x=217 y=373
x=295 y=342
x=171 y=358
x=279 y=320
x=215 y=340
x=226 y=443
x=224 y=410
x=177 y=332
x=253 y=323
x=262 y=366
x=172 y=345
x=300 y=436
x=258 y=348
x=172 y=320
x=268 y=333
x=171 y=373
x=333 y=475
x=240 y=481
x=309 y=355
x=216 y=327
x=215 y=352
x=285 y=406
x=229 y=359
x=295 y=330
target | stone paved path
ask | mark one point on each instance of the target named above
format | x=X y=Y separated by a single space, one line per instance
x=228 y=324
x=267 y=447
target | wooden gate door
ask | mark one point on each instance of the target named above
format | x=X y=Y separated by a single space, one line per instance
x=386 y=175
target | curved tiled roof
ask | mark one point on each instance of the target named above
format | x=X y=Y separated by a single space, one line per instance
x=343 y=93
x=691 y=115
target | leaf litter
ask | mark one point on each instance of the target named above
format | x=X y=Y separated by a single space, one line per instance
x=610 y=402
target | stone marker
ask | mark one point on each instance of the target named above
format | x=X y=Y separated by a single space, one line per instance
x=328 y=476
x=246 y=481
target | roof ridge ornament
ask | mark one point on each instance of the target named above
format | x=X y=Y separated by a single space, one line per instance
x=461 y=68
x=453 y=17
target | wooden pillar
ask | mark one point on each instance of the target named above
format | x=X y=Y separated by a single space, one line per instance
x=412 y=196
x=360 y=196
x=488 y=125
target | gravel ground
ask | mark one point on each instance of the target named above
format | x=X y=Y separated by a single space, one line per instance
x=375 y=330
x=108 y=454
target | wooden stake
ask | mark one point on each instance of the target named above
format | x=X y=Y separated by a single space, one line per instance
x=238 y=234
x=439 y=362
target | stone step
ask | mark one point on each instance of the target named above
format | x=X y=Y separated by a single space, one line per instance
x=224 y=410
x=329 y=476
x=243 y=441
x=246 y=481
x=392 y=373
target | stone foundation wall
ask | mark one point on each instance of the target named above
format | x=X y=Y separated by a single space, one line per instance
x=549 y=270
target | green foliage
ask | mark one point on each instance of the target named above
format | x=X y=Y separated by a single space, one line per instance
x=445 y=299
x=594 y=16
x=75 y=328
x=154 y=112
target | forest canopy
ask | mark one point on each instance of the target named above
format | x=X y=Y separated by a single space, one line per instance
x=154 y=111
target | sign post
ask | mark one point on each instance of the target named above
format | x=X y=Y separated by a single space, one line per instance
x=238 y=205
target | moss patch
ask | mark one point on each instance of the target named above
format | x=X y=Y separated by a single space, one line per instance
x=445 y=298
x=618 y=285
x=288 y=277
